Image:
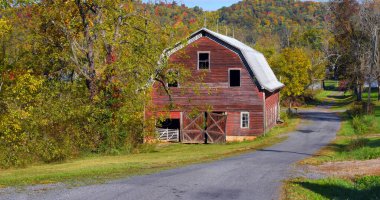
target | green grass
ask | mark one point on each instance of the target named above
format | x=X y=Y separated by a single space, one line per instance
x=347 y=148
x=365 y=188
x=322 y=95
x=331 y=84
x=97 y=168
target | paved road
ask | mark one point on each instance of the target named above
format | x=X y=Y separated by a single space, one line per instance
x=255 y=175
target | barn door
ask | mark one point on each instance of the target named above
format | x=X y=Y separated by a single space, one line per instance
x=216 y=127
x=193 y=128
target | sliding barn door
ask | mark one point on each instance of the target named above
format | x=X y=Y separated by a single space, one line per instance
x=193 y=128
x=216 y=127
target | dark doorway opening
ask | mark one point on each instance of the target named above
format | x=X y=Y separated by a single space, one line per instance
x=172 y=129
x=170 y=124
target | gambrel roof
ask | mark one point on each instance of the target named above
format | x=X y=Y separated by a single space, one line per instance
x=255 y=61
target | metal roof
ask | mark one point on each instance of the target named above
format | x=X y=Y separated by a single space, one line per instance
x=255 y=60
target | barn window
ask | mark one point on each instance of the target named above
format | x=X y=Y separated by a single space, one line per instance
x=203 y=60
x=234 y=78
x=244 y=120
x=173 y=76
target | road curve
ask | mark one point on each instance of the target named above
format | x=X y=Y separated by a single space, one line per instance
x=255 y=175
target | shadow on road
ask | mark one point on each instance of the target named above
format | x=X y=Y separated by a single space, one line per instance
x=319 y=116
x=282 y=151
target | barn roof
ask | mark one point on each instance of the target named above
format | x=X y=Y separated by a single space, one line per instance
x=255 y=61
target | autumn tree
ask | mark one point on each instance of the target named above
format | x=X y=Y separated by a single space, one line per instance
x=292 y=66
x=369 y=22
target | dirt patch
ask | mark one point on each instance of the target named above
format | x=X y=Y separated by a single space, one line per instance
x=349 y=169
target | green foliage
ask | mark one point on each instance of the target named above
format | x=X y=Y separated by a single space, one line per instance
x=47 y=77
x=357 y=123
x=292 y=66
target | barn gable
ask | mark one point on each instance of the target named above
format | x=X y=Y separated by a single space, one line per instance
x=253 y=60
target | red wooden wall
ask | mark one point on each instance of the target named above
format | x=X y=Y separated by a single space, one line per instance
x=271 y=109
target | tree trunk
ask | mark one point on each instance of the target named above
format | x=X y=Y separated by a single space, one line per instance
x=378 y=89
x=369 y=99
x=323 y=85
x=92 y=85
x=373 y=63
x=359 y=97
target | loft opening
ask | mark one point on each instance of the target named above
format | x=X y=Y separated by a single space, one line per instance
x=234 y=77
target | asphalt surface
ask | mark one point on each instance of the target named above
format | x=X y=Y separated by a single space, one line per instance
x=257 y=175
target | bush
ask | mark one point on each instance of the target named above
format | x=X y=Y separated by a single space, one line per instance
x=363 y=124
x=356 y=144
x=309 y=95
x=51 y=121
x=356 y=109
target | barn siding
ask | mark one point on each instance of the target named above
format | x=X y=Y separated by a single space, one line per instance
x=271 y=106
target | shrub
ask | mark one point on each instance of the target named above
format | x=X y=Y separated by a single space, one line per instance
x=356 y=144
x=309 y=95
x=356 y=109
x=363 y=124
x=51 y=121
x=358 y=125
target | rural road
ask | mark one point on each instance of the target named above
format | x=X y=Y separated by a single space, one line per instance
x=255 y=175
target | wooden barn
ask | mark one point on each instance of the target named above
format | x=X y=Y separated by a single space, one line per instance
x=237 y=99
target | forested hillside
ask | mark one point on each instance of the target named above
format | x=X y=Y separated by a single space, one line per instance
x=249 y=19
x=253 y=18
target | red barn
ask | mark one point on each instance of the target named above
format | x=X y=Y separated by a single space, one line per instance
x=237 y=99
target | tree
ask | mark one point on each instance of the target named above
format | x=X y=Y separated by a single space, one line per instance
x=102 y=40
x=370 y=26
x=345 y=64
x=292 y=66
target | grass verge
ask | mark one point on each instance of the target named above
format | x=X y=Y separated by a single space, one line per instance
x=96 y=168
x=365 y=188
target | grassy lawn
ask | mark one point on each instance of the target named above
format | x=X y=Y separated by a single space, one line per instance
x=331 y=84
x=97 y=168
x=365 y=188
x=347 y=148
x=350 y=144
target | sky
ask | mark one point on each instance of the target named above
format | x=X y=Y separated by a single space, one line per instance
x=207 y=4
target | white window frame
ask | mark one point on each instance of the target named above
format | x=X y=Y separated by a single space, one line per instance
x=241 y=120
x=209 y=60
x=229 y=81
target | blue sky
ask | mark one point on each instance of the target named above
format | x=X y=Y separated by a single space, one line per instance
x=207 y=4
